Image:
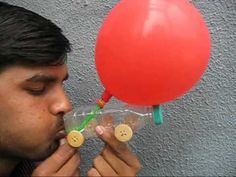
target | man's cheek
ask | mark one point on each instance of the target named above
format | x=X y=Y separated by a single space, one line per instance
x=37 y=129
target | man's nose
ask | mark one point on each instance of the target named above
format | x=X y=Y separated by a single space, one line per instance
x=61 y=104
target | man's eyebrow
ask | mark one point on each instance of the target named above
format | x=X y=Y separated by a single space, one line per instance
x=42 y=78
x=45 y=78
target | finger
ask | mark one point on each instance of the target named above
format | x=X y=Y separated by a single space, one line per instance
x=103 y=167
x=120 y=167
x=57 y=159
x=120 y=149
x=77 y=172
x=71 y=166
x=93 y=173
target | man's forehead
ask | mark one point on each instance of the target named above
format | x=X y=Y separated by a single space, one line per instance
x=21 y=73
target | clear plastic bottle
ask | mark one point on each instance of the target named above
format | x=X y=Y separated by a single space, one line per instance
x=124 y=119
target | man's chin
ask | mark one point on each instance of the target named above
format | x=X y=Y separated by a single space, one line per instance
x=48 y=151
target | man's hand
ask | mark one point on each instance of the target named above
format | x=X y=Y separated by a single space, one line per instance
x=64 y=162
x=116 y=159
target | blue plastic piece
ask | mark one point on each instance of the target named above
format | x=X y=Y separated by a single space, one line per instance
x=157 y=115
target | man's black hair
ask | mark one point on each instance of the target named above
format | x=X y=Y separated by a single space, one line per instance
x=29 y=39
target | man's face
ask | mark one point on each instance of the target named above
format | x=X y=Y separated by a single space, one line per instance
x=32 y=104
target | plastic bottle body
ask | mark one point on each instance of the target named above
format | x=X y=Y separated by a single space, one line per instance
x=111 y=116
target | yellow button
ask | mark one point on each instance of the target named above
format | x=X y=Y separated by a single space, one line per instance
x=75 y=138
x=123 y=132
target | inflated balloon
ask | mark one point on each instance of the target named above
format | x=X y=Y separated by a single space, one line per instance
x=149 y=52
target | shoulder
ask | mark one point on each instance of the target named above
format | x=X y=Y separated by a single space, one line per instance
x=24 y=169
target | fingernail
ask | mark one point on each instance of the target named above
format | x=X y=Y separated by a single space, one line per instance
x=100 y=130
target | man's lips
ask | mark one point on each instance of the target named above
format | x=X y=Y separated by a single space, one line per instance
x=61 y=134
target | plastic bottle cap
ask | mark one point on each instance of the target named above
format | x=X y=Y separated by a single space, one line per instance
x=157 y=115
x=75 y=138
x=123 y=132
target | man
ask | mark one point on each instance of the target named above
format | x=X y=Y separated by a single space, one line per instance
x=32 y=103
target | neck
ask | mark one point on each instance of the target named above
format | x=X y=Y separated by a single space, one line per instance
x=7 y=166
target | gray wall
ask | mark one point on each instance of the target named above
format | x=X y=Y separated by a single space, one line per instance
x=198 y=136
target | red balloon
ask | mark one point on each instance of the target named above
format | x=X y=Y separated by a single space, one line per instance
x=149 y=52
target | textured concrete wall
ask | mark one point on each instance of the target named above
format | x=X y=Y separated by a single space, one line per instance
x=198 y=136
